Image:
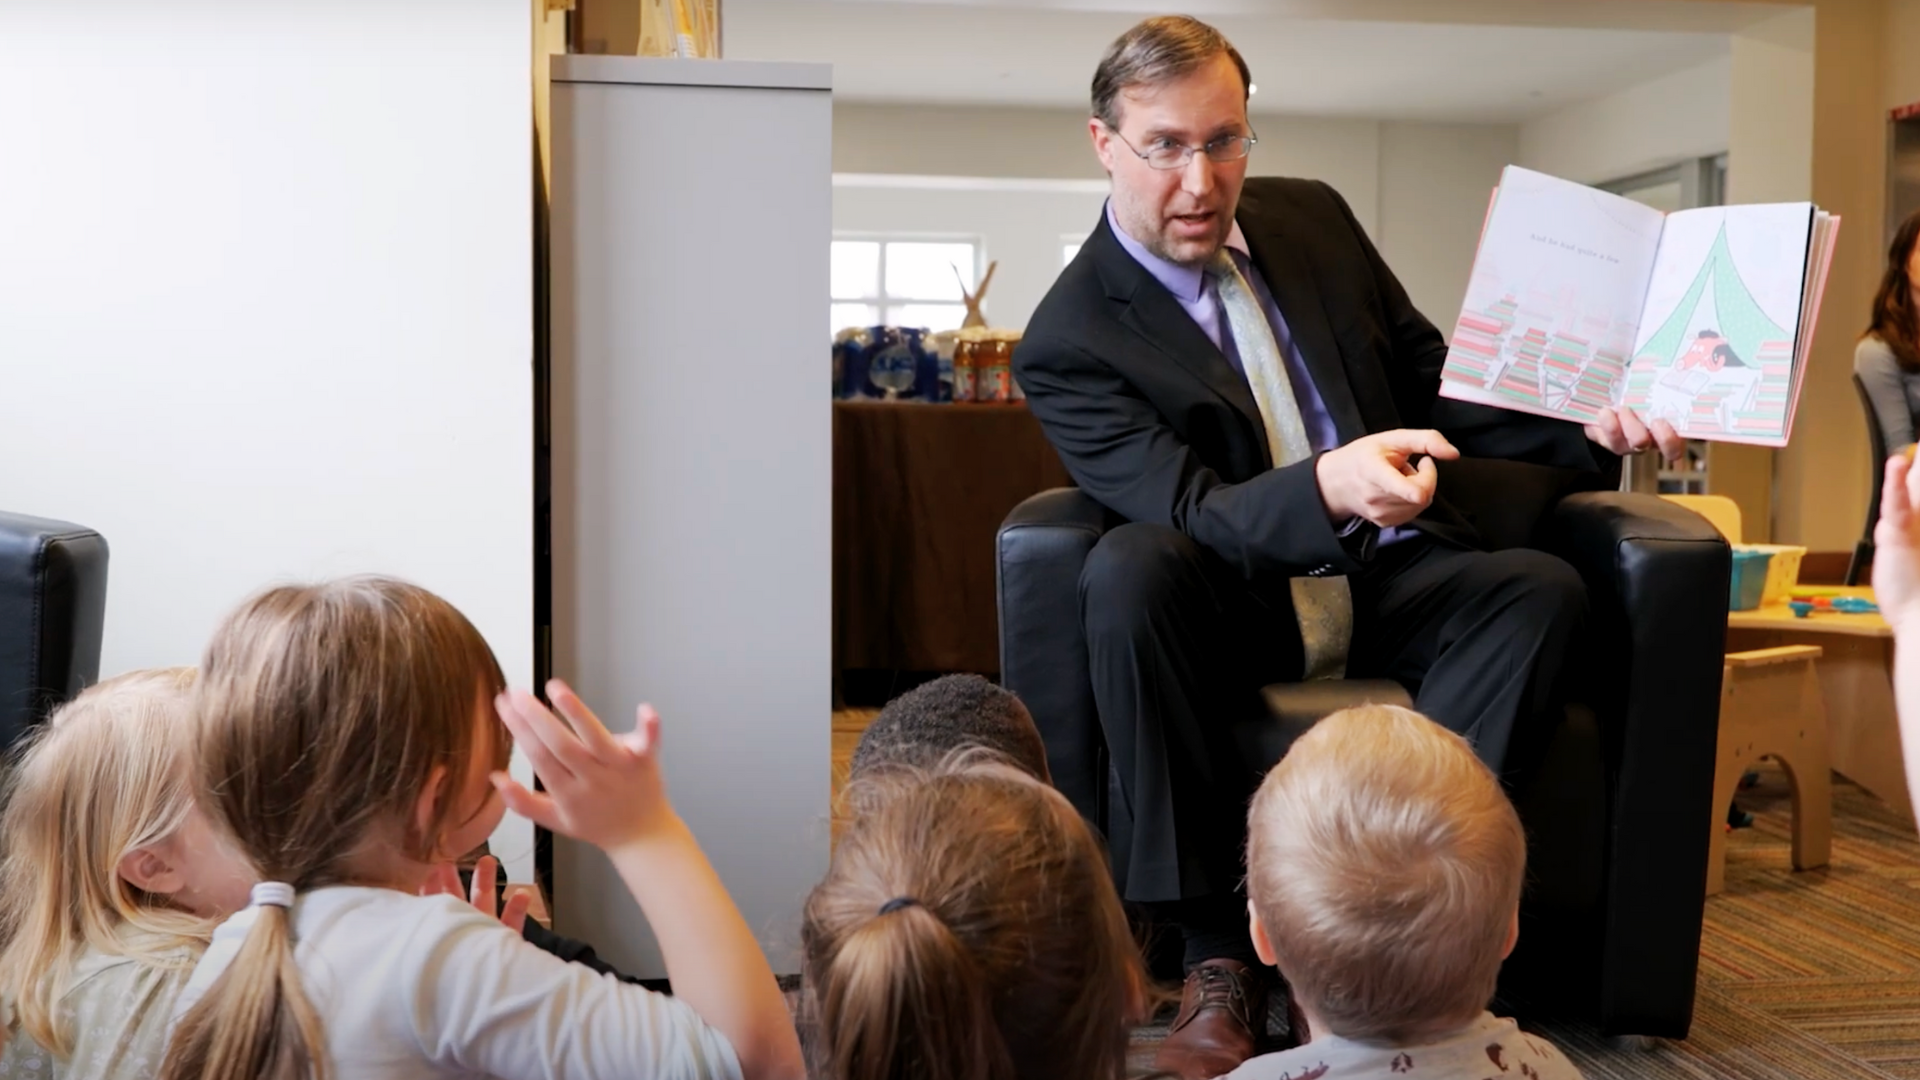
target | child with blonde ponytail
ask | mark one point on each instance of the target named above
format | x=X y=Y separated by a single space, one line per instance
x=112 y=882
x=968 y=929
x=350 y=740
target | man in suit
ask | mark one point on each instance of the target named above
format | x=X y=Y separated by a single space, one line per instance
x=1229 y=365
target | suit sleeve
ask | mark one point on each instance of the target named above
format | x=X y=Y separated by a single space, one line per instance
x=1419 y=352
x=1123 y=453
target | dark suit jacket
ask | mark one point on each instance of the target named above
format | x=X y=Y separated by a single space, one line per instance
x=1152 y=420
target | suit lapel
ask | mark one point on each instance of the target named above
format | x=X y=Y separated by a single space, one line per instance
x=1153 y=313
x=1290 y=278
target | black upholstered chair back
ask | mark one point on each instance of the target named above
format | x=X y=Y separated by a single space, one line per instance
x=53 y=603
x=1877 y=440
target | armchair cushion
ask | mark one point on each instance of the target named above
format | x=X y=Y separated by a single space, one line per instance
x=1295 y=707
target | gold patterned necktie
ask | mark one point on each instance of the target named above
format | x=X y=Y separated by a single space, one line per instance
x=1323 y=605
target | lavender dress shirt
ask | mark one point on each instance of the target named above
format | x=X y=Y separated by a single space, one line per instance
x=1197 y=297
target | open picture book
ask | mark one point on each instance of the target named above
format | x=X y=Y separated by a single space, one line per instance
x=1581 y=299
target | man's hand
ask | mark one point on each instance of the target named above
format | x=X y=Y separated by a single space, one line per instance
x=1896 y=546
x=1371 y=477
x=1621 y=431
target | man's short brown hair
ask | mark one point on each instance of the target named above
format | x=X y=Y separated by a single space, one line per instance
x=1157 y=51
x=1384 y=863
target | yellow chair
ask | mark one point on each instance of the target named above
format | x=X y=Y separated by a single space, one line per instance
x=1721 y=512
x=1770 y=706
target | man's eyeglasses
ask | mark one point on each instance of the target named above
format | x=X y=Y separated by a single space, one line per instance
x=1167 y=154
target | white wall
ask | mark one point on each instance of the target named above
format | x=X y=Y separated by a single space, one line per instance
x=1649 y=126
x=1770 y=124
x=265 y=304
x=1435 y=180
x=1418 y=189
x=1903 y=59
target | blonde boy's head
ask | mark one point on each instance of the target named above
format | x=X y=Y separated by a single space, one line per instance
x=103 y=781
x=1384 y=869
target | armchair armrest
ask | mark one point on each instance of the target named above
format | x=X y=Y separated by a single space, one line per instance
x=1041 y=548
x=1656 y=578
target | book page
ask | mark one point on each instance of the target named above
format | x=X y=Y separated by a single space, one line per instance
x=1826 y=228
x=1552 y=308
x=1715 y=353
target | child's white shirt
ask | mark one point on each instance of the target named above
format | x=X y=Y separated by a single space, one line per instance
x=427 y=986
x=115 y=1011
x=1490 y=1046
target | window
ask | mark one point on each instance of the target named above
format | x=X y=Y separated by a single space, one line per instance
x=882 y=282
x=1067 y=251
x=1660 y=190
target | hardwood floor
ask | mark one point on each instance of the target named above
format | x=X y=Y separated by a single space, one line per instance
x=848 y=725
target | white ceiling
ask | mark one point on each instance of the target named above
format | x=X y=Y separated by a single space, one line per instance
x=1486 y=61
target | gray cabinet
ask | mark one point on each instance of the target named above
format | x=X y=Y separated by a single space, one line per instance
x=692 y=431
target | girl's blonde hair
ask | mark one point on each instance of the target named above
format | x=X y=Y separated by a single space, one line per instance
x=105 y=775
x=323 y=712
x=1385 y=864
x=968 y=929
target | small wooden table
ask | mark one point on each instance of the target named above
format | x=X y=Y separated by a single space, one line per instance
x=1856 y=680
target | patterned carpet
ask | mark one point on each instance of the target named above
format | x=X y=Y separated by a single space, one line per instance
x=1806 y=976
x=1802 y=977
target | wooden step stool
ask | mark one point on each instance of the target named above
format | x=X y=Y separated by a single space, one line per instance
x=1770 y=706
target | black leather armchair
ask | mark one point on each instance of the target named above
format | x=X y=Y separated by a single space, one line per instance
x=1618 y=815
x=53 y=603
x=1862 y=560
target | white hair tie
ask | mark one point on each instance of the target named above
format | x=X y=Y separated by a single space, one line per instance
x=271 y=894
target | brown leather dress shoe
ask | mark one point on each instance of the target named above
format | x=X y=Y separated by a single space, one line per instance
x=1222 y=1018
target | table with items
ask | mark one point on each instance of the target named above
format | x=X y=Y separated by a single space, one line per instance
x=929 y=457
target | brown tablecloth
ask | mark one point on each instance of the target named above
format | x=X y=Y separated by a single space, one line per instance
x=919 y=492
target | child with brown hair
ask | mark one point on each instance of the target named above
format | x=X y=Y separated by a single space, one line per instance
x=350 y=739
x=1384 y=866
x=113 y=882
x=968 y=929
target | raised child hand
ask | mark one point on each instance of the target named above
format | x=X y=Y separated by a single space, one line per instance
x=601 y=788
x=1896 y=546
x=445 y=879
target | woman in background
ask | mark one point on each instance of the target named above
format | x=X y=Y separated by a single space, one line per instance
x=1888 y=356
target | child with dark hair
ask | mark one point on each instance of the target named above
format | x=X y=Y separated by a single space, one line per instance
x=921 y=726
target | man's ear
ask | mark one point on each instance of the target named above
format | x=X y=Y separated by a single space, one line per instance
x=1102 y=142
x=150 y=869
x=1262 y=945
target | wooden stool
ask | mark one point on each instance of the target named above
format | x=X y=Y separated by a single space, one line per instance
x=1770 y=706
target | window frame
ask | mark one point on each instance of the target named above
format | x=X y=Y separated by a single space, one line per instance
x=883 y=301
